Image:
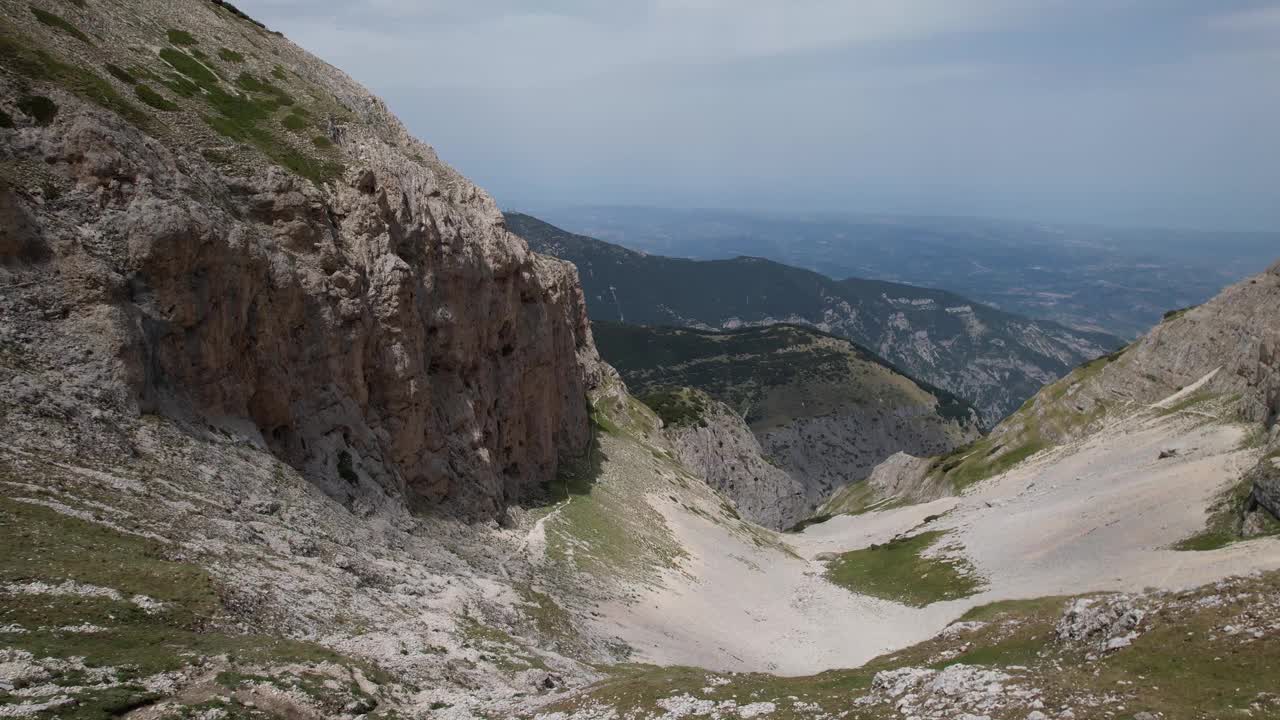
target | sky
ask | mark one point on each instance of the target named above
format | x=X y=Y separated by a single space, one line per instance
x=1134 y=112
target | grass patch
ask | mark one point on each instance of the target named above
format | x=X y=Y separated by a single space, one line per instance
x=1182 y=666
x=679 y=407
x=121 y=74
x=294 y=122
x=278 y=73
x=154 y=99
x=189 y=66
x=899 y=571
x=38 y=108
x=1226 y=515
x=59 y=23
x=182 y=38
x=321 y=142
x=46 y=546
x=229 y=55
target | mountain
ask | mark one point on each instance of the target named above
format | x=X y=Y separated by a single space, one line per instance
x=1218 y=362
x=993 y=359
x=823 y=409
x=1105 y=279
x=296 y=430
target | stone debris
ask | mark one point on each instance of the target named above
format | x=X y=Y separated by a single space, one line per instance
x=958 y=691
x=71 y=587
x=1101 y=624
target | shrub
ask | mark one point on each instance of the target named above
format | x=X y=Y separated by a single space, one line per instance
x=59 y=23
x=121 y=74
x=190 y=67
x=33 y=63
x=181 y=37
x=278 y=73
x=154 y=99
x=322 y=142
x=230 y=55
x=294 y=121
x=39 y=108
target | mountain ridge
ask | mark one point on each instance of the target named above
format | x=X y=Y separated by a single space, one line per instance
x=991 y=358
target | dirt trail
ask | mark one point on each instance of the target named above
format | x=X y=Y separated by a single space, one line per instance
x=1097 y=515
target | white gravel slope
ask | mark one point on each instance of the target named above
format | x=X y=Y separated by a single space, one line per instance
x=1093 y=516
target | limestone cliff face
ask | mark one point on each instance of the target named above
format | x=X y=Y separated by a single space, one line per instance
x=375 y=324
x=833 y=450
x=1235 y=336
x=723 y=451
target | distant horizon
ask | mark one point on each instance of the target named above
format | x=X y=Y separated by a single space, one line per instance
x=540 y=211
x=1142 y=114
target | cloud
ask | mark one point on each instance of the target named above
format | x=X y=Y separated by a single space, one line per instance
x=1061 y=109
x=1256 y=19
x=495 y=43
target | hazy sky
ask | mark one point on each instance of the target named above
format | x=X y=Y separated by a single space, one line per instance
x=1163 y=112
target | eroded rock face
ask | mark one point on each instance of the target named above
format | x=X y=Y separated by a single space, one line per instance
x=383 y=332
x=843 y=447
x=1266 y=485
x=1235 y=336
x=724 y=452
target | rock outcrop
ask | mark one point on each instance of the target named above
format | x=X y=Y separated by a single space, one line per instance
x=845 y=446
x=823 y=409
x=721 y=448
x=1265 y=478
x=346 y=300
x=1227 y=347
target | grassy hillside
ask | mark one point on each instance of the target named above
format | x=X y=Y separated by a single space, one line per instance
x=769 y=375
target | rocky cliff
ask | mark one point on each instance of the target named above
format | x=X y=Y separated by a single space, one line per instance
x=202 y=221
x=821 y=408
x=716 y=444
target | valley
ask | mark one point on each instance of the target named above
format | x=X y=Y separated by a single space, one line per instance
x=299 y=425
x=1103 y=279
x=990 y=358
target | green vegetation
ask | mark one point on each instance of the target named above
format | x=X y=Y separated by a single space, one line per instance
x=988 y=457
x=54 y=21
x=1175 y=314
x=121 y=74
x=1226 y=515
x=322 y=142
x=238 y=13
x=769 y=375
x=229 y=55
x=899 y=571
x=294 y=122
x=679 y=407
x=134 y=640
x=608 y=529
x=38 y=108
x=199 y=73
x=278 y=73
x=1181 y=666
x=181 y=38
x=240 y=117
x=153 y=98
x=856 y=499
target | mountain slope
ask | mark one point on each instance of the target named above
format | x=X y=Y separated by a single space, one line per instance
x=823 y=409
x=214 y=213
x=1217 y=362
x=991 y=358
